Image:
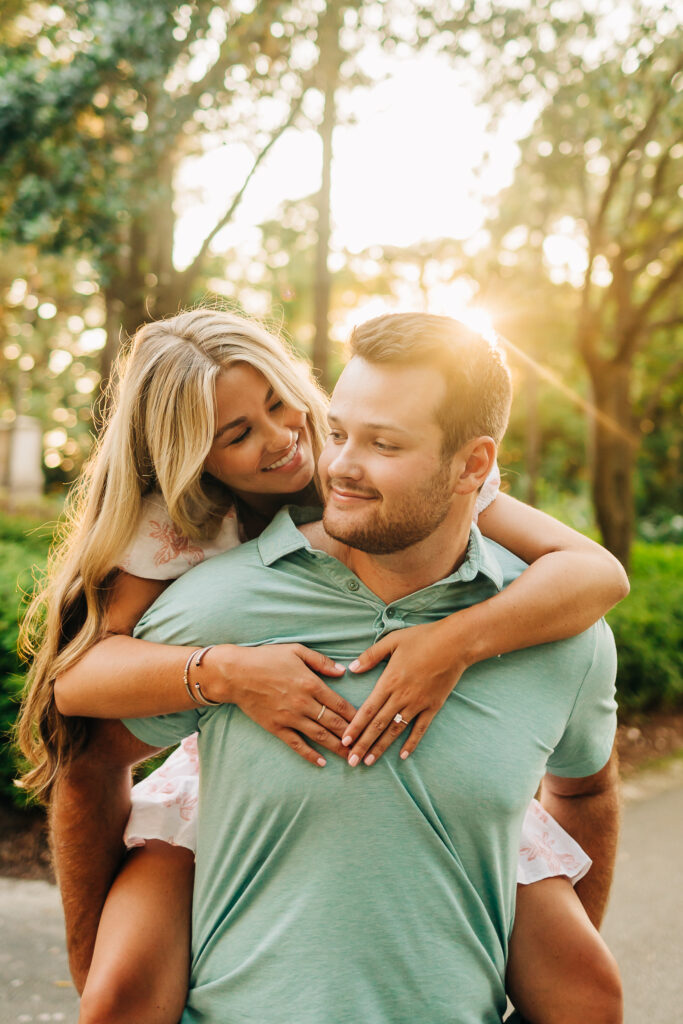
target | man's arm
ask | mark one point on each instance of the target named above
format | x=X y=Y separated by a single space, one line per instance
x=88 y=813
x=588 y=809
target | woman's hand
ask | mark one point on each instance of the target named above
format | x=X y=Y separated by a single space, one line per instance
x=422 y=671
x=276 y=686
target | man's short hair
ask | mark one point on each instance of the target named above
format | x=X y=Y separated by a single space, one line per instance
x=478 y=387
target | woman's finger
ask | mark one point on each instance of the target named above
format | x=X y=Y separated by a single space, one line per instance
x=383 y=721
x=374 y=655
x=300 y=747
x=318 y=733
x=323 y=714
x=367 y=713
x=420 y=726
x=320 y=662
x=334 y=701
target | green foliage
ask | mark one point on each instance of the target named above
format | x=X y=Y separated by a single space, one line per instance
x=648 y=627
x=19 y=551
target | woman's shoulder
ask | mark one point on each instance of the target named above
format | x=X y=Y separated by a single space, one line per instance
x=159 y=551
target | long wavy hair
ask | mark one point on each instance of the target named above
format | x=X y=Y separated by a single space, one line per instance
x=160 y=427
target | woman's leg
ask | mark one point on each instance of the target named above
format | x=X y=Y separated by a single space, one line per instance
x=140 y=967
x=559 y=969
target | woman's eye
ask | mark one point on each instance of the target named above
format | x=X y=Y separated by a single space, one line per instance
x=236 y=440
x=277 y=405
x=384 y=447
x=334 y=435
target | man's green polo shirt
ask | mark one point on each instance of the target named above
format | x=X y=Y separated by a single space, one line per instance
x=380 y=895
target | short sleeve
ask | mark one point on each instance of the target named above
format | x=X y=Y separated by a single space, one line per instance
x=587 y=741
x=488 y=492
x=164 y=730
x=159 y=551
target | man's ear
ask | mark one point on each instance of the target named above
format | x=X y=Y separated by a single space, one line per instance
x=473 y=463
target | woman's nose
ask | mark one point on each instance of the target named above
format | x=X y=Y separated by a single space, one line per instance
x=280 y=436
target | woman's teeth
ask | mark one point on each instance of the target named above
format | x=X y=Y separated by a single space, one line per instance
x=285 y=458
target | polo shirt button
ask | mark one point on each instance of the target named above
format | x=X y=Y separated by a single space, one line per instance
x=390 y=613
x=353 y=584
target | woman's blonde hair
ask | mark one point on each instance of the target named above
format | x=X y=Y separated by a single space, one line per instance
x=157 y=436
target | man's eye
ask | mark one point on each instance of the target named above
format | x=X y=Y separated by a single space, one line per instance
x=384 y=447
x=334 y=435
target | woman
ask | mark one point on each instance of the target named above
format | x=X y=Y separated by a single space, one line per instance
x=215 y=427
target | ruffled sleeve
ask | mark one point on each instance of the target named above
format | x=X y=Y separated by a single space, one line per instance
x=488 y=492
x=159 y=551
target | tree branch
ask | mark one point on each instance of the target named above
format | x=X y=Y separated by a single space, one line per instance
x=615 y=172
x=641 y=313
x=661 y=241
x=654 y=399
x=663 y=325
x=186 y=275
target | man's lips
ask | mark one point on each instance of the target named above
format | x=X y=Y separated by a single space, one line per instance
x=343 y=494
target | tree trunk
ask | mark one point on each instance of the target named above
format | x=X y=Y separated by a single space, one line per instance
x=328 y=43
x=614 y=450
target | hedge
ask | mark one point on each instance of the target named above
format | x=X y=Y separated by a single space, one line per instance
x=648 y=627
x=21 y=547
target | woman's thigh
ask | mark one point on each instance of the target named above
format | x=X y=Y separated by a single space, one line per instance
x=140 y=965
x=559 y=969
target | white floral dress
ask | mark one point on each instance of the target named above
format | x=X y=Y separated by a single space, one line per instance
x=164 y=805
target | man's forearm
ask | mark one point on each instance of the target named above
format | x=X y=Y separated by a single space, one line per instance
x=592 y=819
x=88 y=813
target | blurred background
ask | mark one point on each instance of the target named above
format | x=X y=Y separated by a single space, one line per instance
x=516 y=165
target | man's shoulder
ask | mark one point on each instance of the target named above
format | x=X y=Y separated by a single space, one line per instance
x=508 y=564
x=220 y=566
x=581 y=650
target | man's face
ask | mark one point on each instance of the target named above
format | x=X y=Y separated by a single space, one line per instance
x=385 y=483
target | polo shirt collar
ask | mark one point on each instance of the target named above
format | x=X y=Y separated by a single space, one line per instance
x=282 y=537
x=479 y=560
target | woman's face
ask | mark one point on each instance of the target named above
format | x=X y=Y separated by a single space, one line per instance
x=261 y=446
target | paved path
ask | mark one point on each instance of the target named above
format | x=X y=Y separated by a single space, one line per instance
x=34 y=977
x=644 y=926
x=644 y=923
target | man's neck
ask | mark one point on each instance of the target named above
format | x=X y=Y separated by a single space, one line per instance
x=393 y=576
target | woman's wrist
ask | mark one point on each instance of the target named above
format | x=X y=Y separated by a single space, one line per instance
x=460 y=634
x=220 y=670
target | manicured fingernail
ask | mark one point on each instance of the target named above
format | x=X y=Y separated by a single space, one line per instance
x=404 y=754
x=353 y=760
x=370 y=759
x=347 y=741
x=321 y=762
x=354 y=666
x=339 y=668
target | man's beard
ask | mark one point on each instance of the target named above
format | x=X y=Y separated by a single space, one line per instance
x=411 y=519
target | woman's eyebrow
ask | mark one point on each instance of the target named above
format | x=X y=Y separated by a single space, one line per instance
x=240 y=419
x=229 y=426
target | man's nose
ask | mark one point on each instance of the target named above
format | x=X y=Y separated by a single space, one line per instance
x=345 y=463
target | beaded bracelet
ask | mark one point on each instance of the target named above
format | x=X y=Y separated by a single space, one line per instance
x=197 y=697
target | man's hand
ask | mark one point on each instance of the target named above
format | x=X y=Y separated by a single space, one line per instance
x=88 y=813
x=588 y=809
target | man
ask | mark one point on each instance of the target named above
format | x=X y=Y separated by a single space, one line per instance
x=383 y=895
